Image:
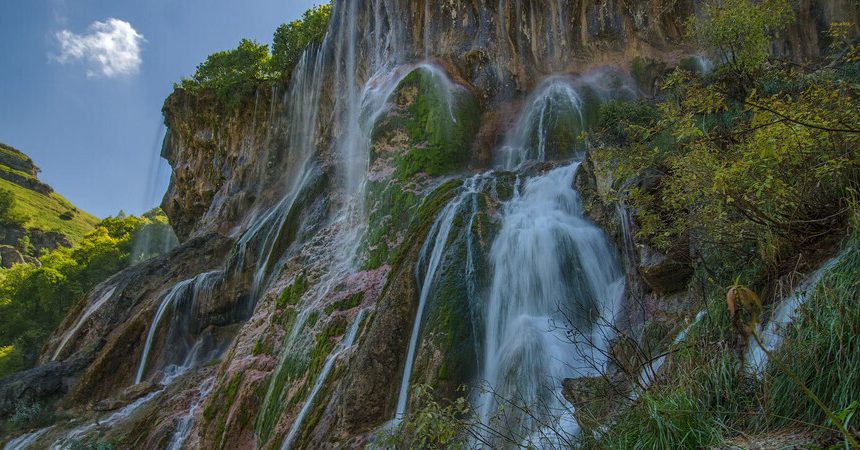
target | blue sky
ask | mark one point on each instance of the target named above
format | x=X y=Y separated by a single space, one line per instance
x=88 y=109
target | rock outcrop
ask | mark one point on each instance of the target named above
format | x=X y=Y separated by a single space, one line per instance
x=305 y=231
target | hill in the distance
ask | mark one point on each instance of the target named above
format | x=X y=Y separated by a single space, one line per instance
x=37 y=217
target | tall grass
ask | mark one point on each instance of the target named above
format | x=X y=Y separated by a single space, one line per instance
x=822 y=348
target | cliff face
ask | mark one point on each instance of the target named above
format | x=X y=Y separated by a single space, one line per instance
x=224 y=158
x=316 y=217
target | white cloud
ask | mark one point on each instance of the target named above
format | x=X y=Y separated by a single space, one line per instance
x=110 y=48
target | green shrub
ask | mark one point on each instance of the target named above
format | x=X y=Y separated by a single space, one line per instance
x=292 y=38
x=8 y=214
x=232 y=74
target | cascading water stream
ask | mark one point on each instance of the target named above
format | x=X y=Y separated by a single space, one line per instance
x=555 y=100
x=25 y=441
x=436 y=244
x=555 y=274
x=344 y=345
x=772 y=334
x=200 y=285
x=556 y=285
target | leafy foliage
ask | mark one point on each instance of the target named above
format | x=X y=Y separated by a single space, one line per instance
x=8 y=214
x=292 y=38
x=33 y=299
x=233 y=74
x=430 y=424
x=739 y=31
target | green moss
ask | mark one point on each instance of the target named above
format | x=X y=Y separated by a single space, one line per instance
x=233 y=389
x=393 y=207
x=441 y=133
x=292 y=294
x=258 y=348
x=346 y=304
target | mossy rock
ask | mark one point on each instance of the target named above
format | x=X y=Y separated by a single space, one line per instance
x=440 y=120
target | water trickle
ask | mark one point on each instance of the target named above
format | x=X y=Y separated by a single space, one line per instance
x=184 y=426
x=344 y=345
x=784 y=313
x=431 y=254
x=648 y=374
x=26 y=441
x=550 y=313
x=196 y=289
x=107 y=294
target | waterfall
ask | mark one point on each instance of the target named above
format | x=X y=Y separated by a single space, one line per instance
x=25 y=441
x=436 y=243
x=184 y=427
x=196 y=288
x=555 y=104
x=557 y=284
x=555 y=290
x=345 y=344
x=784 y=313
x=105 y=295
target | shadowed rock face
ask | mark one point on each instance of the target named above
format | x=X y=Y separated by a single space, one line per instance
x=229 y=167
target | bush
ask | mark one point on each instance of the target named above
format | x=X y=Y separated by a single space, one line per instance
x=8 y=215
x=236 y=74
x=33 y=300
x=292 y=38
x=232 y=74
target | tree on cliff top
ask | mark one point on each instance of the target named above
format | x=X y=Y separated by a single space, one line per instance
x=233 y=73
x=292 y=38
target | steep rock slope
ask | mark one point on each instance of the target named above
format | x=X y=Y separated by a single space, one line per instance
x=320 y=218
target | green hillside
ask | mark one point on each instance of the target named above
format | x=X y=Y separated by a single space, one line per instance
x=36 y=205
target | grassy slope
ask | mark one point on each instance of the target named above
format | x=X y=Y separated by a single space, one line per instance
x=43 y=212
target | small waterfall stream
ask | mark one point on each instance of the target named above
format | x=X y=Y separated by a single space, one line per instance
x=183 y=429
x=196 y=290
x=555 y=291
x=431 y=254
x=772 y=334
x=344 y=345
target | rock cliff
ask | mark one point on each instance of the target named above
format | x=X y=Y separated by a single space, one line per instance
x=320 y=217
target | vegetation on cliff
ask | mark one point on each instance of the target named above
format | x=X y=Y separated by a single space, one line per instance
x=234 y=74
x=26 y=202
x=34 y=299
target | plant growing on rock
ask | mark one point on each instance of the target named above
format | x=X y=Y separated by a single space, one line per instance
x=292 y=38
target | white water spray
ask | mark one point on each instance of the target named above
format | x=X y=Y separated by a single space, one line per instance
x=550 y=314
